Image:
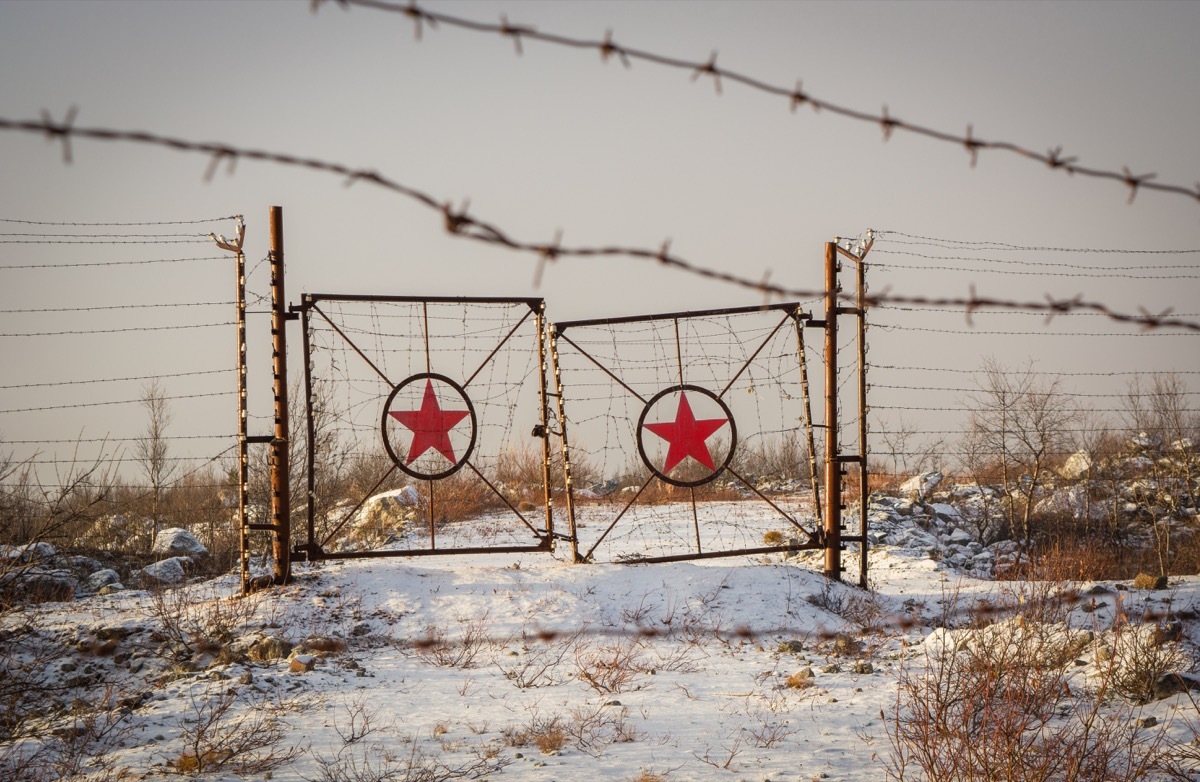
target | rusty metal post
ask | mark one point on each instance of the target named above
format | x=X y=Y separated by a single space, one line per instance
x=833 y=469
x=280 y=470
x=864 y=473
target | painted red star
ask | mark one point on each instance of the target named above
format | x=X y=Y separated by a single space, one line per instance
x=430 y=426
x=686 y=435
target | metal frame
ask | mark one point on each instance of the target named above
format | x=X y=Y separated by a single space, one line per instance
x=792 y=313
x=314 y=549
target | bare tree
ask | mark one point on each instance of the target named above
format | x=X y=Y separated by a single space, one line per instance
x=1022 y=422
x=1168 y=462
x=152 y=448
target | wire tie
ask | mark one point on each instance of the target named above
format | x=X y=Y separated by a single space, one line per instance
x=1134 y=182
x=709 y=67
x=62 y=131
x=887 y=123
x=515 y=32
x=798 y=96
x=972 y=146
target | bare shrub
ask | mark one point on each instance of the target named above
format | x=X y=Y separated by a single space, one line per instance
x=612 y=666
x=238 y=731
x=197 y=619
x=593 y=727
x=439 y=648
x=1142 y=656
x=999 y=703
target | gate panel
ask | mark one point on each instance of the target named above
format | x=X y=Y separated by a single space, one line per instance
x=429 y=414
x=688 y=434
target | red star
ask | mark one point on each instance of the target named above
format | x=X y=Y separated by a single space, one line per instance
x=430 y=426
x=687 y=435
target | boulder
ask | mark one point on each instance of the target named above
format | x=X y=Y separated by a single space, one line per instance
x=100 y=579
x=38 y=585
x=177 y=541
x=919 y=488
x=167 y=571
x=30 y=552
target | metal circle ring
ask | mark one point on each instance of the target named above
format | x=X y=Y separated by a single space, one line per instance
x=387 y=408
x=732 y=435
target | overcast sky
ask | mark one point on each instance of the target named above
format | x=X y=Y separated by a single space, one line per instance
x=555 y=140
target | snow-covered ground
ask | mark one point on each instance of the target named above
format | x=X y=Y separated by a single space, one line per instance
x=459 y=666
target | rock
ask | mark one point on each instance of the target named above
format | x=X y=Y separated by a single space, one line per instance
x=269 y=648
x=31 y=552
x=845 y=646
x=178 y=542
x=790 y=647
x=167 y=571
x=920 y=487
x=100 y=579
x=1076 y=465
x=303 y=663
x=1147 y=581
x=38 y=585
x=1174 y=683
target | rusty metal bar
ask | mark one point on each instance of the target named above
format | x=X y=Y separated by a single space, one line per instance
x=533 y=303
x=504 y=499
x=811 y=442
x=768 y=500
x=544 y=546
x=568 y=480
x=833 y=476
x=350 y=342
x=624 y=510
x=603 y=368
x=785 y=306
x=496 y=349
x=718 y=554
x=243 y=427
x=356 y=508
x=544 y=432
x=280 y=486
x=310 y=424
x=753 y=356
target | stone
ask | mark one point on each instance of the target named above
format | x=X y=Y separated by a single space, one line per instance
x=919 y=488
x=167 y=571
x=177 y=541
x=38 y=585
x=269 y=648
x=100 y=579
x=303 y=663
x=1148 y=581
x=790 y=647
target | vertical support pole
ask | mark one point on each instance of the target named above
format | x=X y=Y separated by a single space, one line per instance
x=809 y=441
x=544 y=430
x=243 y=474
x=280 y=485
x=833 y=470
x=568 y=482
x=864 y=475
x=310 y=423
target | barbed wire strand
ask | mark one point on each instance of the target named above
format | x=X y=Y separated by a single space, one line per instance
x=460 y=224
x=796 y=96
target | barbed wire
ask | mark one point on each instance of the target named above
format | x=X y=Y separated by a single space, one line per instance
x=118 y=402
x=195 y=373
x=1123 y=373
x=118 y=225
x=1063 y=393
x=111 y=307
x=461 y=224
x=796 y=96
x=958 y=244
x=82 y=332
x=70 y=441
x=981 y=332
x=1132 y=273
x=113 y=263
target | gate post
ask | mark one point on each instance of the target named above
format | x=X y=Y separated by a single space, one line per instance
x=833 y=469
x=280 y=469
